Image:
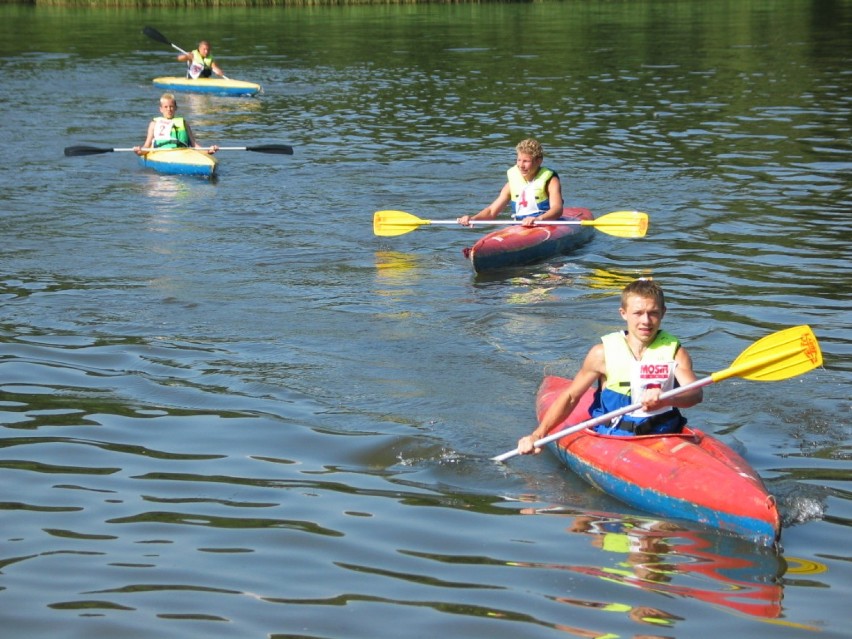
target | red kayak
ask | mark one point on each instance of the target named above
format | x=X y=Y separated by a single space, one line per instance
x=521 y=245
x=690 y=475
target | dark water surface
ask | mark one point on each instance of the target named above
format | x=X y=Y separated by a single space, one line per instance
x=228 y=410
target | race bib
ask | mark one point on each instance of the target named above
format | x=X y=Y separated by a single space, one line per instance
x=526 y=204
x=195 y=70
x=163 y=129
x=647 y=375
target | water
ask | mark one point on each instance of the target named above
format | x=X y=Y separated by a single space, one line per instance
x=228 y=410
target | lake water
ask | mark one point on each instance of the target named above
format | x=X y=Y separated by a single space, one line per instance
x=227 y=409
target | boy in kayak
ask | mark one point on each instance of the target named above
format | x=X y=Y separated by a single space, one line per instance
x=534 y=191
x=168 y=131
x=630 y=366
x=199 y=62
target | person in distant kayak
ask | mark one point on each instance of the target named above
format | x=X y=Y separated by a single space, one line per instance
x=630 y=366
x=200 y=63
x=534 y=191
x=168 y=131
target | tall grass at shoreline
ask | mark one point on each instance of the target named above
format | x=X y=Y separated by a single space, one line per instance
x=237 y=3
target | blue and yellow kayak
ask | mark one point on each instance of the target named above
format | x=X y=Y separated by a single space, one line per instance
x=180 y=162
x=218 y=86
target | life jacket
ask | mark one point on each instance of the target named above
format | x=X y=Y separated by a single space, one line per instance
x=170 y=134
x=627 y=379
x=199 y=67
x=529 y=198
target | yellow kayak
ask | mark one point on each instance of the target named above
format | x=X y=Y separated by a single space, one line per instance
x=180 y=162
x=219 y=86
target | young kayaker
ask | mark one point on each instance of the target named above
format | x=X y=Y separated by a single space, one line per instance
x=534 y=191
x=200 y=63
x=630 y=366
x=168 y=131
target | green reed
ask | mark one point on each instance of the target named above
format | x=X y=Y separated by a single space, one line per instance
x=237 y=3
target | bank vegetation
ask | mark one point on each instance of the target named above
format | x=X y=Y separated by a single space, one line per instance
x=94 y=4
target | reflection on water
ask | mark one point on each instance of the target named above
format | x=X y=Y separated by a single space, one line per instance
x=666 y=558
x=536 y=287
x=611 y=281
x=796 y=566
x=396 y=267
x=165 y=187
x=208 y=115
x=397 y=275
x=543 y=279
x=205 y=104
x=639 y=614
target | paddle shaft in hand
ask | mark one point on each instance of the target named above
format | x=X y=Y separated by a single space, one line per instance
x=618 y=223
x=276 y=149
x=778 y=356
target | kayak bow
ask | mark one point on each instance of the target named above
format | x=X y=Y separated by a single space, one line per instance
x=180 y=162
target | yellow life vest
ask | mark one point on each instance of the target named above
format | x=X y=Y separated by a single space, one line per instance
x=529 y=198
x=620 y=362
x=199 y=66
x=622 y=369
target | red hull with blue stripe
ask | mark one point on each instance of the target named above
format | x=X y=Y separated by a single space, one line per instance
x=690 y=476
x=513 y=246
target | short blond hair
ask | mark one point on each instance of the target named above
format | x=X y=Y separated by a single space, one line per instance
x=645 y=288
x=531 y=148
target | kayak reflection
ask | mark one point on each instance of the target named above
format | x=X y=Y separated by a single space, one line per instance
x=664 y=557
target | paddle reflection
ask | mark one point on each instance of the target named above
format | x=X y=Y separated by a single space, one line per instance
x=611 y=282
x=395 y=274
x=393 y=267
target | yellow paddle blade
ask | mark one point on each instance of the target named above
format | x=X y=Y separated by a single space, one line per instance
x=781 y=355
x=390 y=223
x=621 y=223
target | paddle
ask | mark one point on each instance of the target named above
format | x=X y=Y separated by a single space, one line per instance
x=152 y=33
x=619 y=223
x=778 y=356
x=275 y=149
